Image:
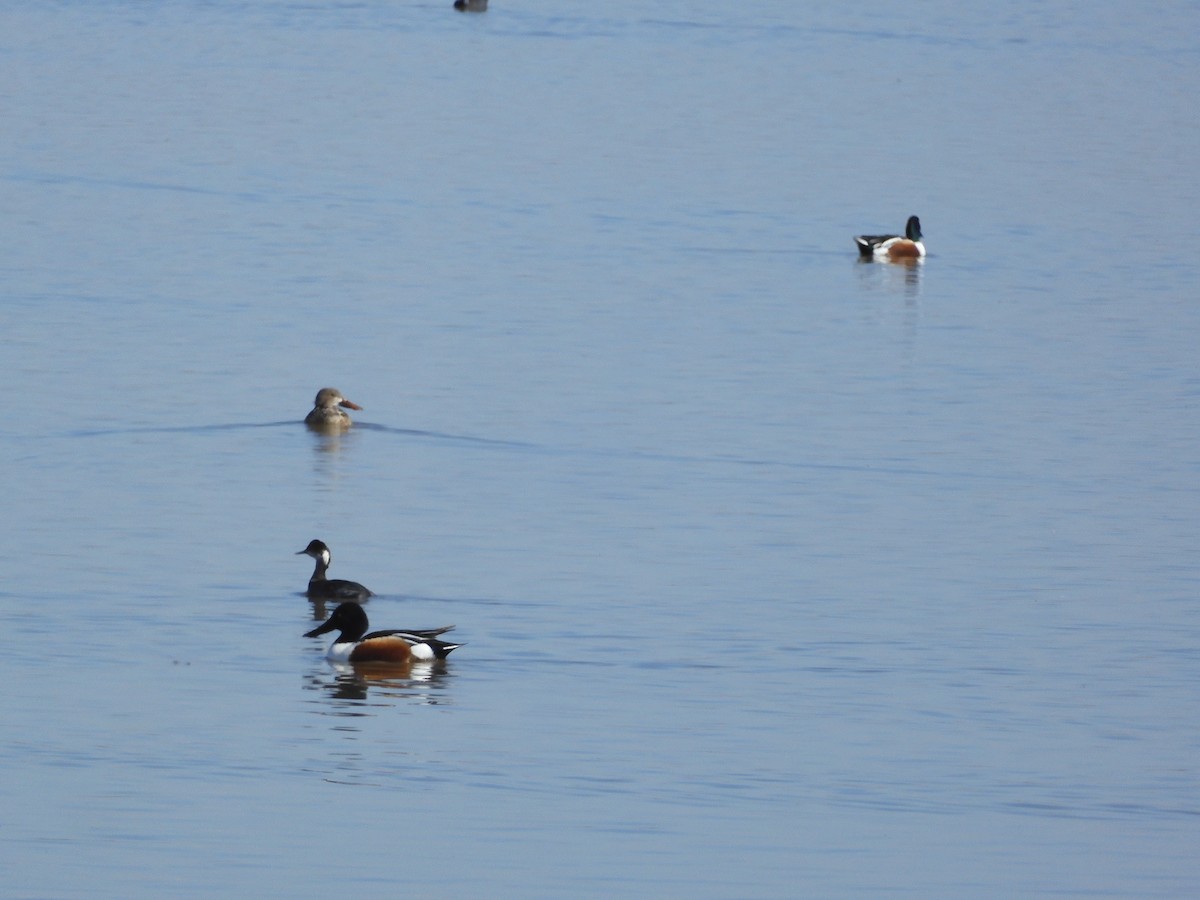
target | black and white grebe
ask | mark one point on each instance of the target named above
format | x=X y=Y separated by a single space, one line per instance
x=322 y=588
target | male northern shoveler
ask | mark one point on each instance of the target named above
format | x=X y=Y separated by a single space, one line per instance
x=893 y=246
x=354 y=645
x=328 y=414
x=322 y=588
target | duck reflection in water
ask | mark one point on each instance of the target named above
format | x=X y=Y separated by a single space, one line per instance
x=904 y=273
x=423 y=683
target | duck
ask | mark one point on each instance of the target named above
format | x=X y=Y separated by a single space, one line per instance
x=354 y=645
x=893 y=246
x=329 y=411
x=322 y=588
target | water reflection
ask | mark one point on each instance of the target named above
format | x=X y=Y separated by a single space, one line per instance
x=354 y=690
x=327 y=459
x=905 y=273
x=330 y=443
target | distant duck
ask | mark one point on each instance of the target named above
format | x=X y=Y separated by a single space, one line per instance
x=470 y=5
x=893 y=246
x=354 y=645
x=322 y=588
x=328 y=413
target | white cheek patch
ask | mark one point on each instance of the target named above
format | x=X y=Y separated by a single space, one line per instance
x=325 y=557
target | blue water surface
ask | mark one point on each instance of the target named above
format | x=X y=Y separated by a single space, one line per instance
x=779 y=574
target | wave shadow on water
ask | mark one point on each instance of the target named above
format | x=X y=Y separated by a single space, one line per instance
x=332 y=441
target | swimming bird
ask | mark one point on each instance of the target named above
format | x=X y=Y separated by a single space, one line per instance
x=893 y=246
x=354 y=645
x=322 y=588
x=327 y=413
x=471 y=5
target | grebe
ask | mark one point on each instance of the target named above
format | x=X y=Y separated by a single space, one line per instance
x=322 y=588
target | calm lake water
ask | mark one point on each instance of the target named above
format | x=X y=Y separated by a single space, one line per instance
x=779 y=574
